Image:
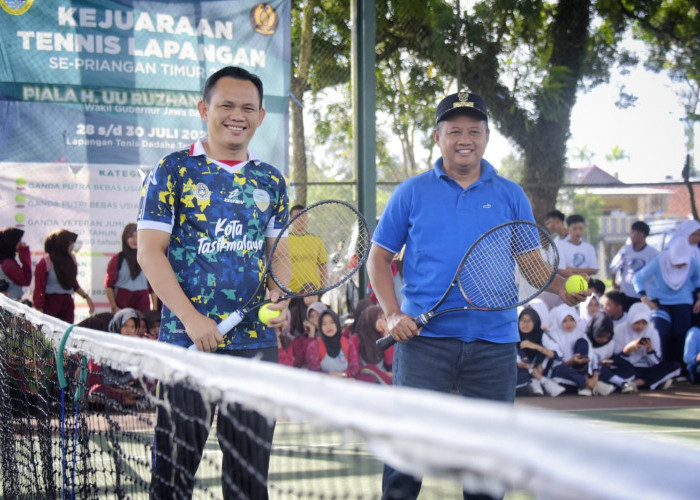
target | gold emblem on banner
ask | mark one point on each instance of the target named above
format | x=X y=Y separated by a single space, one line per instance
x=16 y=7
x=264 y=19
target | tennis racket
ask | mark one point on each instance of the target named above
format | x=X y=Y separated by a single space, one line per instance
x=507 y=266
x=325 y=245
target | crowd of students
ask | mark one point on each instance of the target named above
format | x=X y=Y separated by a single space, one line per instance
x=642 y=334
x=134 y=307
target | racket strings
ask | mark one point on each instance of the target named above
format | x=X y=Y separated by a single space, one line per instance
x=326 y=244
x=507 y=267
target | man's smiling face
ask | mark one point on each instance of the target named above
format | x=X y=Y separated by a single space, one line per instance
x=462 y=140
x=233 y=113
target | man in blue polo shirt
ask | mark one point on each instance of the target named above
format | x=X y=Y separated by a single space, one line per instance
x=437 y=215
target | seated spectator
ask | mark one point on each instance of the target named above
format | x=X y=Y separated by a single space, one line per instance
x=285 y=354
x=330 y=352
x=152 y=318
x=298 y=307
x=596 y=286
x=534 y=360
x=691 y=354
x=670 y=283
x=376 y=365
x=540 y=307
x=361 y=305
x=614 y=306
x=587 y=309
x=16 y=274
x=612 y=369
x=572 y=366
x=297 y=328
x=639 y=343
x=107 y=383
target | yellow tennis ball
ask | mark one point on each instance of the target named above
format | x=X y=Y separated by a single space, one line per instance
x=265 y=314
x=576 y=284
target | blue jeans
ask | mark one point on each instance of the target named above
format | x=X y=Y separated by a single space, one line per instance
x=478 y=369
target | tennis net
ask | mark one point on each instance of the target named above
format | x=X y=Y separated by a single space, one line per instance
x=95 y=438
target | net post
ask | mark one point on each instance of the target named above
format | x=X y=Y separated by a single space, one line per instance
x=60 y=372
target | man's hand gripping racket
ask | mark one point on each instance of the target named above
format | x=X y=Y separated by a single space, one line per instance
x=507 y=266
x=334 y=225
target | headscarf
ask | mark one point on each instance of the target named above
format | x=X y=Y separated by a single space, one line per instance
x=121 y=317
x=319 y=307
x=625 y=333
x=677 y=252
x=685 y=229
x=563 y=339
x=367 y=332
x=333 y=345
x=583 y=308
x=600 y=325
x=152 y=317
x=56 y=245
x=542 y=311
x=357 y=313
x=128 y=252
x=9 y=238
x=535 y=335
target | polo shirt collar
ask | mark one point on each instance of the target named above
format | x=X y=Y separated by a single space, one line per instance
x=488 y=171
x=197 y=149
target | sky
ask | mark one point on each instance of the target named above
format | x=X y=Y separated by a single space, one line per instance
x=651 y=132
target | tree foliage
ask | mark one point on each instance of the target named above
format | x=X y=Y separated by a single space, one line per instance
x=528 y=58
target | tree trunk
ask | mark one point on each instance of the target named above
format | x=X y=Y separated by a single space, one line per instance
x=298 y=86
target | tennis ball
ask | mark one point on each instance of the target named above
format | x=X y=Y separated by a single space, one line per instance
x=576 y=284
x=265 y=314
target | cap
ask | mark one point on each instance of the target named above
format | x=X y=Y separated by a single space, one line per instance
x=461 y=102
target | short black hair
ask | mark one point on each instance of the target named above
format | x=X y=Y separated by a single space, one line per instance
x=298 y=206
x=641 y=226
x=617 y=296
x=574 y=218
x=597 y=285
x=555 y=214
x=232 y=72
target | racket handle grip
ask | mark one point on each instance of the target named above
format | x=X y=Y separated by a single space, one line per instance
x=385 y=343
x=232 y=320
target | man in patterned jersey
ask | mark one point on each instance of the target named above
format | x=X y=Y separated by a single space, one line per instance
x=207 y=218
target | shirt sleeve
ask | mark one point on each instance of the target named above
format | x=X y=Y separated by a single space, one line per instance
x=392 y=229
x=159 y=193
x=353 y=358
x=112 y=272
x=313 y=362
x=16 y=273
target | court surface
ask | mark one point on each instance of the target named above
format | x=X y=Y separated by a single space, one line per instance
x=670 y=415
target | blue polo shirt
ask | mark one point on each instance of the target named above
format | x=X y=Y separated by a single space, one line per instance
x=438 y=221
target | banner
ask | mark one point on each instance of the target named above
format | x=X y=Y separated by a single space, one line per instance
x=94 y=93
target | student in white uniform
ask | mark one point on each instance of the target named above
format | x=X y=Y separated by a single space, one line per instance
x=572 y=363
x=578 y=255
x=630 y=259
x=639 y=343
